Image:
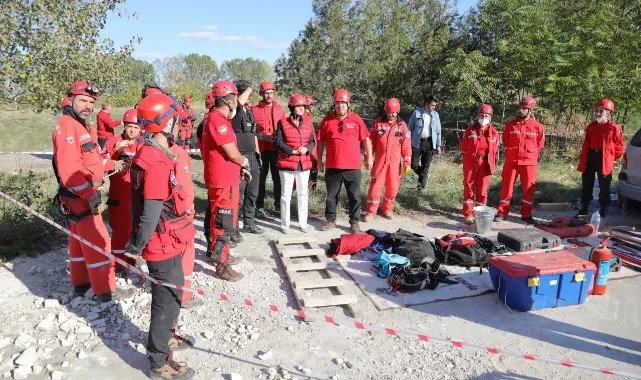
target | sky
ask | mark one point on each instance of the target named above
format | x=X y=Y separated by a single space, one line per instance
x=220 y=29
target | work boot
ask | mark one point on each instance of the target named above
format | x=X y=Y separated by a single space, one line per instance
x=529 y=220
x=355 y=227
x=225 y=272
x=179 y=342
x=499 y=218
x=193 y=303
x=329 y=225
x=234 y=236
x=80 y=290
x=387 y=215
x=172 y=370
x=115 y=295
x=252 y=229
x=469 y=220
x=583 y=212
x=368 y=218
x=260 y=213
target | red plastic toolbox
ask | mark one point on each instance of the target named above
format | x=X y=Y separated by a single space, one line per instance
x=539 y=280
x=527 y=239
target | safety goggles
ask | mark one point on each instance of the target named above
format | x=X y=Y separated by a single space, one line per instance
x=89 y=89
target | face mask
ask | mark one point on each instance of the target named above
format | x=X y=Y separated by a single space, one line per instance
x=601 y=120
x=483 y=121
x=232 y=113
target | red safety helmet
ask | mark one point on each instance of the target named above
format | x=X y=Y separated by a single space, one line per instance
x=528 y=102
x=297 y=100
x=392 y=105
x=606 y=104
x=485 y=108
x=209 y=100
x=130 y=116
x=155 y=111
x=83 y=88
x=265 y=86
x=310 y=100
x=186 y=98
x=342 y=95
x=223 y=88
x=66 y=102
x=153 y=91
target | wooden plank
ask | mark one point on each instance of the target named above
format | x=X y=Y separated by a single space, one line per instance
x=335 y=300
x=302 y=252
x=310 y=266
x=296 y=240
x=301 y=283
x=563 y=206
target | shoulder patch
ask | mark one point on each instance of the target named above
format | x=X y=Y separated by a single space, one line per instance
x=222 y=129
x=70 y=139
x=186 y=169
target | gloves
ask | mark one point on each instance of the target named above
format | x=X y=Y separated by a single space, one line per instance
x=242 y=85
x=121 y=166
x=245 y=164
x=95 y=201
x=130 y=252
x=246 y=174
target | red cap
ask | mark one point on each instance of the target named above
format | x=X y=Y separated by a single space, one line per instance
x=392 y=105
x=83 y=88
x=342 y=95
x=485 y=108
x=528 y=102
x=155 y=111
x=265 y=86
x=605 y=104
x=130 y=116
x=223 y=88
x=297 y=100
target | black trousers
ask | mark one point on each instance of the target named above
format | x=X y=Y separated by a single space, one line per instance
x=333 y=180
x=165 y=308
x=268 y=166
x=102 y=142
x=592 y=168
x=249 y=192
x=422 y=159
x=207 y=223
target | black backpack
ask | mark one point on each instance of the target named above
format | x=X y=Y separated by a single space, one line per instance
x=467 y=250
x=412 y=278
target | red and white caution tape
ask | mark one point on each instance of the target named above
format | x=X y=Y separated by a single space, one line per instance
x=342 y=321
x=49 y=153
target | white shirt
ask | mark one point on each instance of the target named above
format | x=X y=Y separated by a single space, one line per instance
x=427 y=118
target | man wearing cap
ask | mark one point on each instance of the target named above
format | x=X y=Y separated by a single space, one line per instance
x=602 y=146
x=224 y=166
x=267 y=113
x=342 y=132
x=244 y=125
x=79 y=170
x=523 y=139
x=105 y=125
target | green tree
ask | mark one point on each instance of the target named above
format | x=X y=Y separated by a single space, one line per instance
x=44 y=47
x=250 y=69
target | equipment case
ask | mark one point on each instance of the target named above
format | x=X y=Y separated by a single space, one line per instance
x=528 y=239
x=534 y=281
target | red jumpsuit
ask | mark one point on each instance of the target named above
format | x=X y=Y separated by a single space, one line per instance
x=119 y=202
x=479 y=147
x=523 y=139
x=187 y=124
x=183 y=176
x=222 y=178
x=79 y=168
x=105 y=125
x=393 y=150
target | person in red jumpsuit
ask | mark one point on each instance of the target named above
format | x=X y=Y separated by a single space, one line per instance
x=479 y=146
x=105 y=124
x=224 y=165
x=187 y=123
x=391 y=141
x=342 y=132
x=523 y=139
x=602 y=146
x=78 y=168
x=116 y=157
x=162 y=231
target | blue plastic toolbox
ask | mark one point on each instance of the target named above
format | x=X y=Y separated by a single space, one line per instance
x=534 y=281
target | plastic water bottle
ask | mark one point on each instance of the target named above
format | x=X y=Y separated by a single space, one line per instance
x=595 y=221
x=596 y=189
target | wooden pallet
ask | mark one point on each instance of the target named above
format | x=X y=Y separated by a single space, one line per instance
x=313 y=277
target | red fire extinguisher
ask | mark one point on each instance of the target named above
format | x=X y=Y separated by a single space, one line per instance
x=601 y=256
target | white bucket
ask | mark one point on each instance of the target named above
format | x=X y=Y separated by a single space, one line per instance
x=483 y=218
